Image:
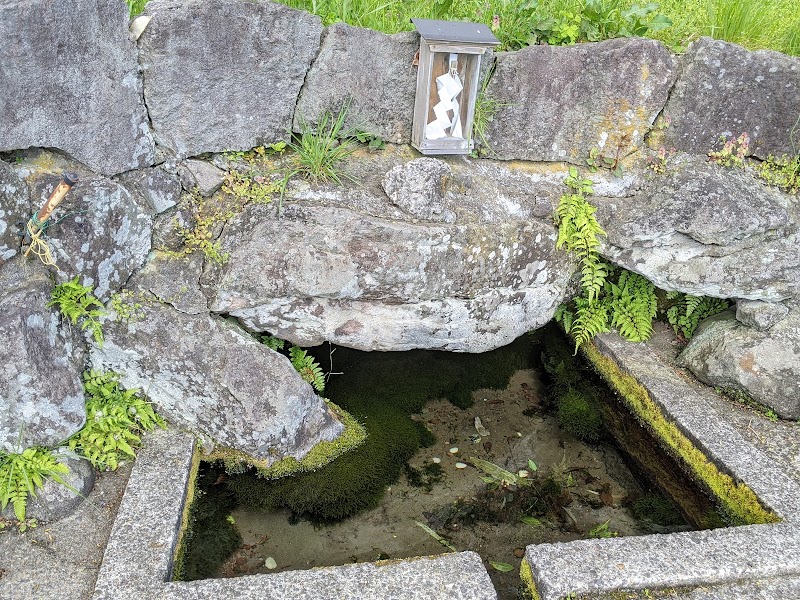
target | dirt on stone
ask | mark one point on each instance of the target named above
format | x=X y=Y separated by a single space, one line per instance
x=595 y=477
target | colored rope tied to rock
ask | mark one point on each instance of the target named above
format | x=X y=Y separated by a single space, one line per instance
x=38 y=223
x=36 y=232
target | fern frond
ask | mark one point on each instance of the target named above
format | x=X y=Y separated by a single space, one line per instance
x=307 y=367
x=591 y=318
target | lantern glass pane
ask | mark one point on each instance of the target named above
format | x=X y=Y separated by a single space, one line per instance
x=452 y=76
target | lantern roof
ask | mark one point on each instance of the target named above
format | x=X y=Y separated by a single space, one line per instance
x=455 y=31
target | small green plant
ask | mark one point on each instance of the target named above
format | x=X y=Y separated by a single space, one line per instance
x=579 y=415
x=76 y=303
x=658 y=163
x=597 y=161
x=115 y=419
x=308 y=368
x=249 y=188
x=486 y=109
x=783 y=173
x=135 y=7
x=127 y=306
x=633 y=305
x=22 y=473
x=273 y=343
x=687 y=311
x=733 y=151
x=373 y=142
x=320 y=150
x=602 y=530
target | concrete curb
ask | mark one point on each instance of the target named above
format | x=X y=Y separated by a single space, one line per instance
x=720 y=556
x=138 y=558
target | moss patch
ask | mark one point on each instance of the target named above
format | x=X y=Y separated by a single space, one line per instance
x=737 y=501
x=179 y=558
x=381 y=390
x=320 y=455
x=526 y=575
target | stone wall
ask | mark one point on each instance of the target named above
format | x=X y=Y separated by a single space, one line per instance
x=450 y=254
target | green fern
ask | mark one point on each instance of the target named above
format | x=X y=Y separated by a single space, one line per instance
x=687 y=311
x=115 y=419
x=307 y=367
x=591 y=318
x=270 y=341
x=633 y=306
x=21 y=473
x=77 y=303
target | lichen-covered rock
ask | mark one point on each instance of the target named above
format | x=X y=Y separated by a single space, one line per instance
x=760 y=315
x=370 y=72
x=764 y=365
x=41 y=393
x=559 y=102
x=206 y=375
x=418 y=187
x=330 y=273
x=708 y=231
x=13 y=209
x=70 y=80
x=207 y=93
x=725 y=90
x=160 y=188
x=174 y=280
x=105 y=236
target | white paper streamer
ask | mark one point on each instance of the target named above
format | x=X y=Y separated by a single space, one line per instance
x=448 y=88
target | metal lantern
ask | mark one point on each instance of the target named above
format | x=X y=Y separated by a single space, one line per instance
x=448 y=80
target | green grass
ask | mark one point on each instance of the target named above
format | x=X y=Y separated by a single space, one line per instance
x=772 y=24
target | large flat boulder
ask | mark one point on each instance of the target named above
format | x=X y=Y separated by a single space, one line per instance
x=559 y=102
x=369 y=72
x=725 y=90
x=331 y=273
x=765 y=365
x=70 y=80
x=207 y=376
x=41 y=392
x=706 y=230
x=207 y=93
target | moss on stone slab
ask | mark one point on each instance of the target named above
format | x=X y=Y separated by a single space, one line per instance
x=526 y=575
x=739 y=503
x=179 y=558
x=320 y=455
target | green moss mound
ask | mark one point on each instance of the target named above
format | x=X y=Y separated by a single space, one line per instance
x=381 y=390
x=578 y=415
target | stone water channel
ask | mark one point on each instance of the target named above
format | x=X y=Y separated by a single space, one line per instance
x=582 y=488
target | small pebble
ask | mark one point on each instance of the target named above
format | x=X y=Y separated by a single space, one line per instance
x=454 y=450
x=436 y=460
x=519 y=552
x=270 y=563
x=460 y=465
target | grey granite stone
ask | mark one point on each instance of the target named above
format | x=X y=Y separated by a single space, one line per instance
x=70 y=81
x=14 y=207
x=159 y=187
x=369 y=72
x=419 y=188
x=725 y=90
x=717 y=439
x=559 y=102
x=654 y=561
x=457 y=576
x=760 y=315
x=207 y=177
x=207 y=93
x=41 y=393
x=54 y=500
x=138 y=557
